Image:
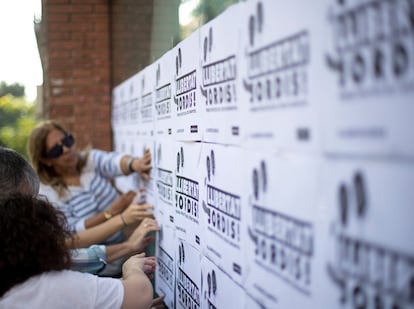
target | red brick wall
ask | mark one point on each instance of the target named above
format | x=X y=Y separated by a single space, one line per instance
x=89 y=46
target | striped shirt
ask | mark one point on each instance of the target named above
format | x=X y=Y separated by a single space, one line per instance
x=95 y=193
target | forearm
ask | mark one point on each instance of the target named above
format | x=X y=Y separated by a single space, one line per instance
x=117 y=251
x=95 y=220
x=125 y=161
x=138 y=291
x=96 y=234
x=114 y=209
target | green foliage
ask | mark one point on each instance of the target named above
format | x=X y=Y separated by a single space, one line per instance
x=208 y=9
x=16 y=89
x=17 y=119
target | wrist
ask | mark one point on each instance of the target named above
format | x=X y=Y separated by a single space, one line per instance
x=124 y=223
x=130 y=163
x=107 y=214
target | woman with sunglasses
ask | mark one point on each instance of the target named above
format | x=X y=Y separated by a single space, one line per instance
x=77 y=182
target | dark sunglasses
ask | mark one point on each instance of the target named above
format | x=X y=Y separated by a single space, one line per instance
x=57 y=150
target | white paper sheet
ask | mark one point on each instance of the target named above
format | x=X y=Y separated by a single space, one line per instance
x=371 y=63
x=220 y=60
x=187 y=192
x=187 y=106
x=221 y=207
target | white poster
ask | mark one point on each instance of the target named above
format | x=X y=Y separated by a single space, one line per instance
x=371 y=63
x=125 y=126
x=164 y=100
x=220 y=58
x=145 y=81
x=282 y=213
x=221 y=212
x=283 y=74
x=165 y=270
x=370 y=263
x=188 y=276
x=187 y=105
x=187 y=192
x=127 y=145
x=218 y=290
x=125 y=103
x=116 y=107
x=165 y=164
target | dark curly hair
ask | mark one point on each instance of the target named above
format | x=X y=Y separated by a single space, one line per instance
x=32 y=240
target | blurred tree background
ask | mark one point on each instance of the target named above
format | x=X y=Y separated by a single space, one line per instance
x=17 y=117
x=203 y=12
x=206 y=10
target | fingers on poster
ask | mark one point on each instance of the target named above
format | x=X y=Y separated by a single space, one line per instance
x=281 y=156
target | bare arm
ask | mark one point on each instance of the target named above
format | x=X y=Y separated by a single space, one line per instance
x=95 y=234
x=135 y=243
x=115 y=208
x=137 y=287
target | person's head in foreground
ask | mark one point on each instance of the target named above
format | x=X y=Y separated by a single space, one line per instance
x=35 y=261
x=32 y=237
x=16 y=174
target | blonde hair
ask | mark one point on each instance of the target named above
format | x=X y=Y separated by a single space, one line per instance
x=37 y=153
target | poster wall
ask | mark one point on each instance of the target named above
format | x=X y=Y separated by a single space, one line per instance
x=282 y=156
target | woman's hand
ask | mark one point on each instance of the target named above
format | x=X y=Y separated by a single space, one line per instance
x=138 y=239
x=134 y=264
x=143 y=165
x=121 y=203
x=137 y=212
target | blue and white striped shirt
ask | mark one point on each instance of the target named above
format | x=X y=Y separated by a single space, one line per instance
x=95 y=193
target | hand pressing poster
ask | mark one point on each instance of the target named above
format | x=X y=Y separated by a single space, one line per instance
x=188 y=276
x=187 y=105
x=221 y=212
x=370 y=263
x=283 y=252
x=164 y=169
x=187 y=192
x=164 y=100
x=218 y=289
x=146 y=188
x=165 y=270
x=371 y=63
x=220 y=58
x=283 y=74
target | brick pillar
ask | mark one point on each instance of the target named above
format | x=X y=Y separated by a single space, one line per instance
x=77 y=78
x=87 y=47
